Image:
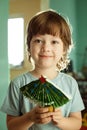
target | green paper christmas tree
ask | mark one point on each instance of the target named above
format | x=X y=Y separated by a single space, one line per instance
x=44 y=93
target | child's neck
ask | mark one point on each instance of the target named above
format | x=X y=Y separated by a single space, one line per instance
x=51 y=74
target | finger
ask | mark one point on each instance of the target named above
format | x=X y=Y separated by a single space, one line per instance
x=44 y=115
x=56 y=109
x=42 y=109
x=44 y=120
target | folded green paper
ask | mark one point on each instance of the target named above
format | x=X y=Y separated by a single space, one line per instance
x=45 y=93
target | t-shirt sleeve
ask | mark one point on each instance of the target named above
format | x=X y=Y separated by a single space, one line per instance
x=77 y=102
x=11 y=102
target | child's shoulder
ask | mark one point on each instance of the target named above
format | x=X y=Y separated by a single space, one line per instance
x=20 y=76
x=22 y=79
x=68 y=77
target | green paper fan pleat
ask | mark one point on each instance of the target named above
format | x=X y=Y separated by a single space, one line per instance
x=44 y=94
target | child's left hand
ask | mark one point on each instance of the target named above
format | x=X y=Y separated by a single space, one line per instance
x=57 y=116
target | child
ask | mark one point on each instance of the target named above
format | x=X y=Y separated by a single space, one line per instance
x=49 y=42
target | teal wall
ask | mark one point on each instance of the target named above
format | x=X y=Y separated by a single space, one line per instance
x=75 y=10
x=4 y=71
x=81 y=33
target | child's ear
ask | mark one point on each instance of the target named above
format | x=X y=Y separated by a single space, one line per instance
x=64 y=52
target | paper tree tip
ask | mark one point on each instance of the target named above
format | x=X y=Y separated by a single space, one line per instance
x=42 y=79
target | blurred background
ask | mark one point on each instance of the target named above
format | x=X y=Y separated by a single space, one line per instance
x=14 y=18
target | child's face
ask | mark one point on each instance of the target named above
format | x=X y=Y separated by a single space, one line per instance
x=46 y=50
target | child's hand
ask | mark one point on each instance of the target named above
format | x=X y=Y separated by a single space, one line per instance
x=40 y=115
x=57 y=116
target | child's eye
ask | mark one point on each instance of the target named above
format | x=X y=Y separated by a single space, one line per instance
x=37 y=41
x=55 y=42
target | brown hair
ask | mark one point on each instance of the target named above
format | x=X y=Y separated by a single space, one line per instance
x=50 y=22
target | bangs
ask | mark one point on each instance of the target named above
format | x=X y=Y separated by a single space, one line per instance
x=47 y=28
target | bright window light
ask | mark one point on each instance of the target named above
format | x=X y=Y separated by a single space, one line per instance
x=15 y=41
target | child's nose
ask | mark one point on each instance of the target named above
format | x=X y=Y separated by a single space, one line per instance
x=46 y=47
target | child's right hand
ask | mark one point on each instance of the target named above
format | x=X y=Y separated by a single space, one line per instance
x=40 y=115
